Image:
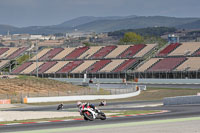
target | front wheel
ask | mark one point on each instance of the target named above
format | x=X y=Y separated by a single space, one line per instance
x=102 y=116
x=88 y=115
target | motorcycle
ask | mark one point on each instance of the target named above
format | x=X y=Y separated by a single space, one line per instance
x=60 y=107
x=91 y=114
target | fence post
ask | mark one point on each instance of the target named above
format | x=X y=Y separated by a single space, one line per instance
x=21 y=98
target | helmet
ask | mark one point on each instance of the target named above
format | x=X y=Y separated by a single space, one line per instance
x=78 y=104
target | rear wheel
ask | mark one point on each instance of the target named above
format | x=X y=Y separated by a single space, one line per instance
x=85 y=118
x=88 y=115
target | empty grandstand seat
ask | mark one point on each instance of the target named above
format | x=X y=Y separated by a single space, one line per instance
x=145 y=50
x=197 y=53
x=50 y=54
x=63 y=53
x=167 y=64
x=112 y=65
x=76 y=53
x=17 y=53
x=3 y=50
x=31 y=68
x=131 y=51
x=125 y=65
x=147 y=64
x=4 y=63
x=90 y=52
x=41 y=53
x=103 y=52
x=69 y=67
x=21 y=67
x=191 y=64
x=186 y=49
x=45 y=66
x=120 y=49
x=57 y=67
x=168 y=49
x=83 y=66
x=97 y=66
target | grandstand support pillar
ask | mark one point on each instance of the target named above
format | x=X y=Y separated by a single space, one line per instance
x=196 y=74
x=181 y=75
x=37 y=58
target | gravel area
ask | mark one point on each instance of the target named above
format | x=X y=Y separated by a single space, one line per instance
x=25 y=115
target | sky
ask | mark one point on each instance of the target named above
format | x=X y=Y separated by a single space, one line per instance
x=22 y=13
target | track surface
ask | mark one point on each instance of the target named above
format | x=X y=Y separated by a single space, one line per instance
x=175 y=112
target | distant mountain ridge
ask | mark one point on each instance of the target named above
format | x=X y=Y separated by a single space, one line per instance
x=106 y=24
x=192 y=25
x=87 y=19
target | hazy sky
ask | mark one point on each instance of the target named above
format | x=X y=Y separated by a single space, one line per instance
x=48 y=12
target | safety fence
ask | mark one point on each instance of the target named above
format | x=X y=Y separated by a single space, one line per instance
x=18 y=97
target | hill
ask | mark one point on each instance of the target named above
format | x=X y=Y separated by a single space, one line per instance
x=134 y=23
x=106 y=24
x=192 y=25
x=87 y=19
x=5 y=28
x=150 y=31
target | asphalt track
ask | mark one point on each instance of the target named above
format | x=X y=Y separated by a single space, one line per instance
x=179 y=114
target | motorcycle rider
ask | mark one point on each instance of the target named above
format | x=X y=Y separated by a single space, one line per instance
x=80 y=104
x=60 y=106
x=102 y=103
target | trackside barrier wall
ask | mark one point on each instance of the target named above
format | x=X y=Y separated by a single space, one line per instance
x=78 y=98
x=140 y=81
x=181 y=100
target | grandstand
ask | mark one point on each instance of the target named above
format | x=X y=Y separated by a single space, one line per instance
x=80 y=60
x=173 y=61
x=8 y=54
x=179 y=60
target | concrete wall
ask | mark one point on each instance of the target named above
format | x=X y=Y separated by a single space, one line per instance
x=169 y=81
x=181 y=100
x=78 y=98
x=143 y=81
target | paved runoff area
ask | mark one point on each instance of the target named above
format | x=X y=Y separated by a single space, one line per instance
x=180 y=125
